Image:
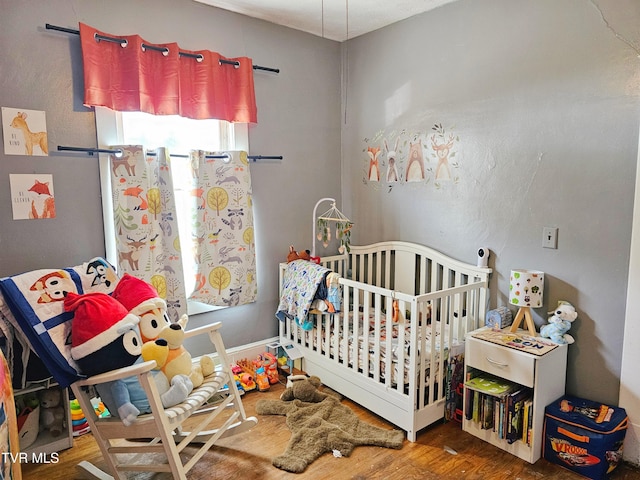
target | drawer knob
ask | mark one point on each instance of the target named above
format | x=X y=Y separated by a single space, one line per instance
x=496 y=363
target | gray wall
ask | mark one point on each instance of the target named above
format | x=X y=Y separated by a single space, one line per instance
x=298 y=117
x=543 y=97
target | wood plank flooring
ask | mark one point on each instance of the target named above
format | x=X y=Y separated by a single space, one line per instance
x=442 y=451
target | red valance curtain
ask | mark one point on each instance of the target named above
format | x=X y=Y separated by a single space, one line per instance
x=135 y=76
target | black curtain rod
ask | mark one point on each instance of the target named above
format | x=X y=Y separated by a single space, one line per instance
x=197 y=56
x=91 y=151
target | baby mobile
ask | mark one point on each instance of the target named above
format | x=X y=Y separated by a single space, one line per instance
x=323 y=225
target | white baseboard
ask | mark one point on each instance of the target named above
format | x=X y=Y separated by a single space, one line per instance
x=250 y=350
x=631 y=452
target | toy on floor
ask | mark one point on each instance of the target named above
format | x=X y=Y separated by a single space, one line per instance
x=238 y=385
x=79 y=423
x=99 y=408
x=265 y=360
x=303 y=388
x=262 y=380
x=247 y=381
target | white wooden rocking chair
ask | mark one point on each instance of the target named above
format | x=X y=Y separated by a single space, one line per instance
x=161 y=432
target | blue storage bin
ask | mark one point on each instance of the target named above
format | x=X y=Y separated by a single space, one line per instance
x=584 y=436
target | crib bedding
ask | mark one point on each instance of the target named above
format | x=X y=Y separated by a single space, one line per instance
x=369 y=339
x=302 y=281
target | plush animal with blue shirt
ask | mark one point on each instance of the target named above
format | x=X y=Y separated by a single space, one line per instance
x=560 y=323
x=105 y=337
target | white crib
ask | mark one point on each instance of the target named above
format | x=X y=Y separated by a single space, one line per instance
x=397 y=369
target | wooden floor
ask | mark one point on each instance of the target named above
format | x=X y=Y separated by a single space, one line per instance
x=442 y=451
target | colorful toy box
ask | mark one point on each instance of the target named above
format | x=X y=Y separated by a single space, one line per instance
x=584 y=436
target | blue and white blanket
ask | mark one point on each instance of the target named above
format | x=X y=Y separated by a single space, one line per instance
x=36 y=303
x=300 y=283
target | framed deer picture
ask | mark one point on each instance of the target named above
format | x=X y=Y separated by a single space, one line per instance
x=25 y=132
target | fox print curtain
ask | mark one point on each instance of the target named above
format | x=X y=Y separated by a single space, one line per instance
x=224 y=234
x=145 y=221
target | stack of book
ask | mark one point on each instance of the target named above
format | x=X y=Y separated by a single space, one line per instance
x=499 y=405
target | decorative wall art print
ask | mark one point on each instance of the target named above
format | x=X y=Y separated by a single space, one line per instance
x=25 y=132
x=411 y=158
x=32 y=196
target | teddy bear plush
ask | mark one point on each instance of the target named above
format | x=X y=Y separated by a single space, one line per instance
x=559 y=324
x=51 y=411
x=303 y=388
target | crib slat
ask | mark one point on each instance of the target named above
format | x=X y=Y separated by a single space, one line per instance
x=388 y=332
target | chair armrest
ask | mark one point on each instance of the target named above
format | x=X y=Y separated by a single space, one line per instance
x=118 y=374
x=200 y=330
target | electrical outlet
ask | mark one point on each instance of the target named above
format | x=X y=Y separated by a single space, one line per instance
x=550 y=237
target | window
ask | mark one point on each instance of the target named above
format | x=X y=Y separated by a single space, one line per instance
x=178 y=135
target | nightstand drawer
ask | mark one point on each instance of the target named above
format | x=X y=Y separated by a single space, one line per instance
x=503 y=362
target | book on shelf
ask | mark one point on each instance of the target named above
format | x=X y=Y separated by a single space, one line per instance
x=476 y=406
x=489 y=384
x=515 y=416
x=526 y=420
x=488 y=416
x=508 y=414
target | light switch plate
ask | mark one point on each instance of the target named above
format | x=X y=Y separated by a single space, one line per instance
x=550 y=237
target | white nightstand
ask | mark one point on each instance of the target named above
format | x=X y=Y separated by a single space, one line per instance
x=545 y=374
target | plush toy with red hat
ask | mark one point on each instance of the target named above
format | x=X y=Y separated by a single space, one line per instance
x=142 y=300
x=105 y=337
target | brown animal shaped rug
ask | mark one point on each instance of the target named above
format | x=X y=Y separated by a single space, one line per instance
x=323 y=427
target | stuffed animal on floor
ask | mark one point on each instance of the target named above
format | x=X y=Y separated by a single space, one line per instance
x=559 y=324
x=304 y=388
x=51 y=411
x=105 y=337
x=323 y=426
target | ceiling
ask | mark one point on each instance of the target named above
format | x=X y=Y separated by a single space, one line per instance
x=334 y=19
